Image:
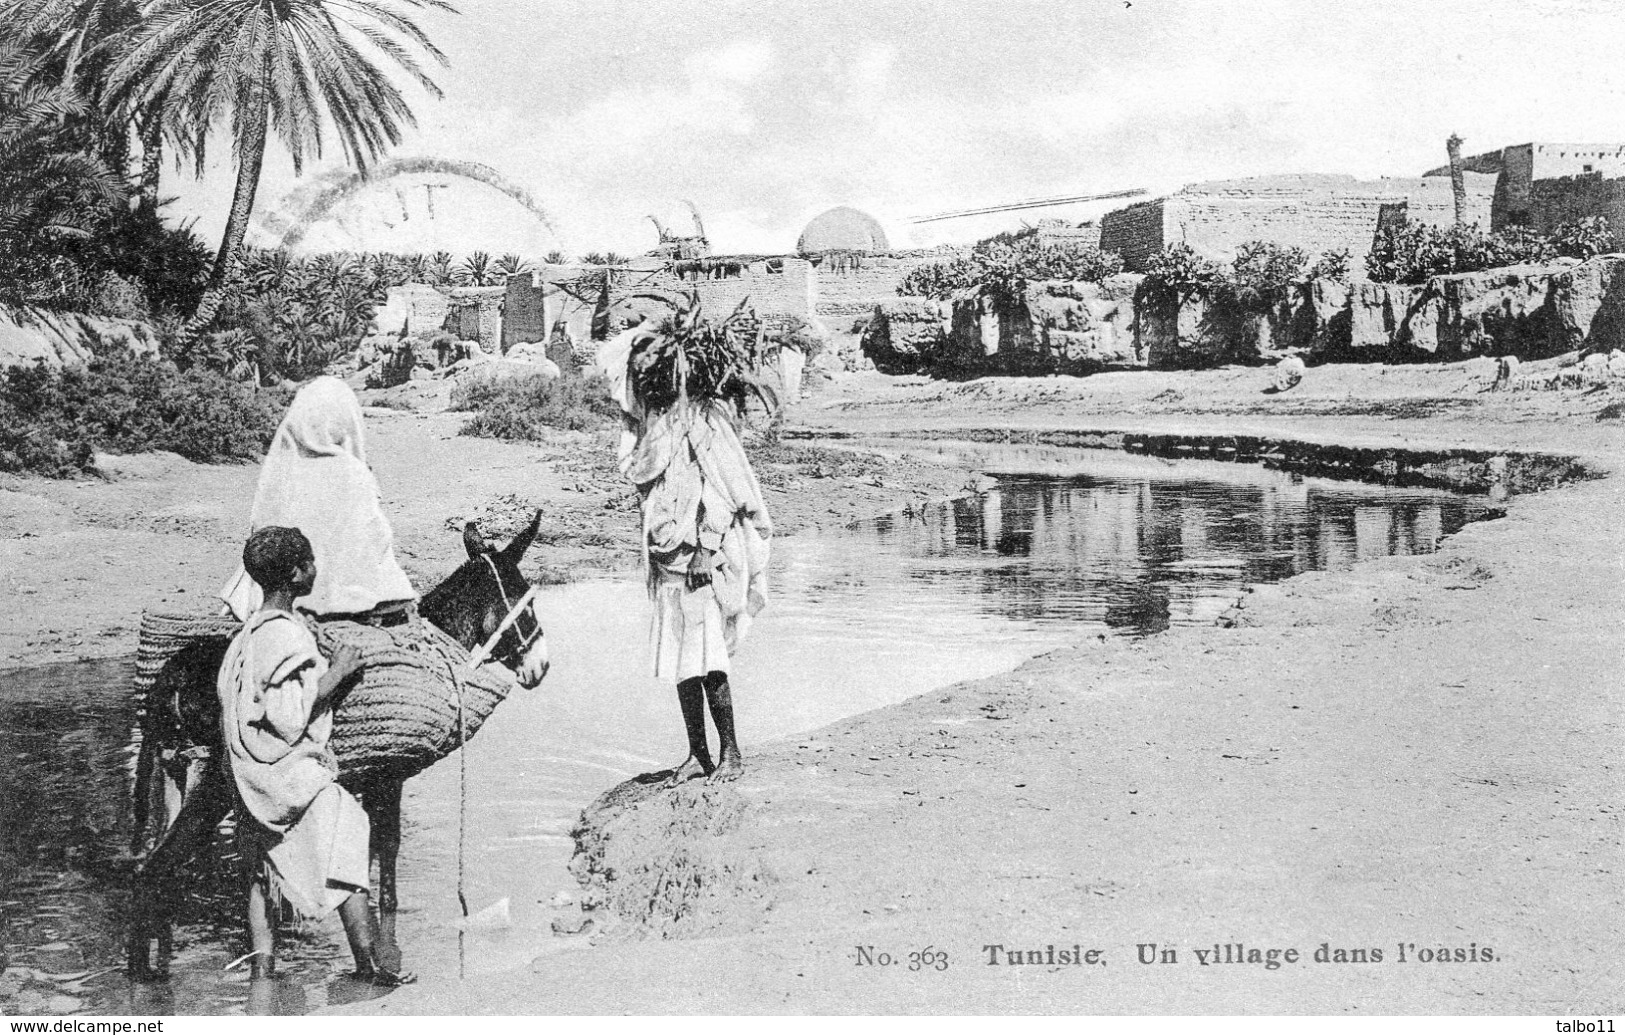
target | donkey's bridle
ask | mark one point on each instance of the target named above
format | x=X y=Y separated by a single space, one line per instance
x=524 y=605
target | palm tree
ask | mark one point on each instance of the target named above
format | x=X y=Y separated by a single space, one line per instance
x=50 y=186
x=257 y=64
x=512 y=265
x=475 y=270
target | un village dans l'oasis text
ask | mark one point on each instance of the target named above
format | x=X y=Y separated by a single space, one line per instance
x=1152 y=954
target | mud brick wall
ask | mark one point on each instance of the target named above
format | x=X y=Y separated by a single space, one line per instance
x=1135 y=232
x=476 y=315
x=535 y=301
x=779 y=285
x=1316 y=213
x=847 y=291
x=1567 y=198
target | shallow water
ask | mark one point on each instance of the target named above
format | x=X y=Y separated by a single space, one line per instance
x=861 y=618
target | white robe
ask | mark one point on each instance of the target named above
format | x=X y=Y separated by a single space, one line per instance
x=313 y=833
x=697 y=490
x=315 y=478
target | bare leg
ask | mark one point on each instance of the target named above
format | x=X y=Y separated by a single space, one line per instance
x=261 y=926
x=362 y=930
x=691 y=697
x=731 y=764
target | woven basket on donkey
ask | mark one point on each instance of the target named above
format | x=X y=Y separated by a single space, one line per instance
x=401 y=717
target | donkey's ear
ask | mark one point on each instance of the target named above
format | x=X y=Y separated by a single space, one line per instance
x=521 y=542
x=473 y=542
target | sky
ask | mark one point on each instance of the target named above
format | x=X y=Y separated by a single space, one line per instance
x=765 y=114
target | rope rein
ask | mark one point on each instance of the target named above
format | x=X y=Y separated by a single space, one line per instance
x=514 y=610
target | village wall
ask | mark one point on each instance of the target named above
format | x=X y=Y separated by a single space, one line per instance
x=853 y=285
x=776 y=286
x=1316 y=213
x=1569 y=198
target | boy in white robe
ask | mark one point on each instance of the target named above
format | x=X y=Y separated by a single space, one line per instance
x=301 y=831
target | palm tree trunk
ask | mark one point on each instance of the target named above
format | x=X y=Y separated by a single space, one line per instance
x=251 y=152
x=1458 y=179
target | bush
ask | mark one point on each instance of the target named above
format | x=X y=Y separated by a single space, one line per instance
x=1178 y=272
x=525 y=406
x=1333 y=266
x=53 y=420
x=1413 y=252
x=1584 y=238
x=1005 y=265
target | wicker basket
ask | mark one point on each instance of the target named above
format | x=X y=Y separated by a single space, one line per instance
x=401 y=717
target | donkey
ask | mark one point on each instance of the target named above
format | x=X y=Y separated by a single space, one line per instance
x=479 y=601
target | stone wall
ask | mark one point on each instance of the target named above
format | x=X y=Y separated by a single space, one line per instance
x=1316 y=213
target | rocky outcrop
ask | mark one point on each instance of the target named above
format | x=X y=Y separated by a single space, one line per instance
x=1312 y=320
x=1053 y=327
x=1493 y=312
x=1074 y=327
x=1376 y=313
x=904 y=335
x=1532 y=312
x=1181 y=333
x=30 y=336
x=1588 y=305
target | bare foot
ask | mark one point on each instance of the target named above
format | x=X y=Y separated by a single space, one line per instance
x=730 y=768
x=691 y=769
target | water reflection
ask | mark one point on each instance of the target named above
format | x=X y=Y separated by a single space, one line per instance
x=1139 y=555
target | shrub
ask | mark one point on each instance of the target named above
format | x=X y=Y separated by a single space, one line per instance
x=1004 y=265
x=525 y=406
x=1334 y=266
x=52 y=420
x=1583 y=238
x=1178 y=272
x=1413 y=252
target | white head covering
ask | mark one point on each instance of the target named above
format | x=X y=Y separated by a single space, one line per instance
x=315 y=478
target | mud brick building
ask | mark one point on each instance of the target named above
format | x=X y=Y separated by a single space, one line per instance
x=1318 y=213
x=1543 y=185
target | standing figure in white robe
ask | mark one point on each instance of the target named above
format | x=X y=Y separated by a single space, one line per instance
x=706 y=540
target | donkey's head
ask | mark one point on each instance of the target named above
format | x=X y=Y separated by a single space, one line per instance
x=486 y=605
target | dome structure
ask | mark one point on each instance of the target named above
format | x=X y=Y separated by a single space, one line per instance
x=842 y=229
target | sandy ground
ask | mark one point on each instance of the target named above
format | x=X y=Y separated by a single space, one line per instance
x=1424 y=752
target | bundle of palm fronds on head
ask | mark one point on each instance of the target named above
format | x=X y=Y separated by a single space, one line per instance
x=683 y=356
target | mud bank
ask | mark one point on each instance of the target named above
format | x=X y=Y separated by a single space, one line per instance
x=1460 y=469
